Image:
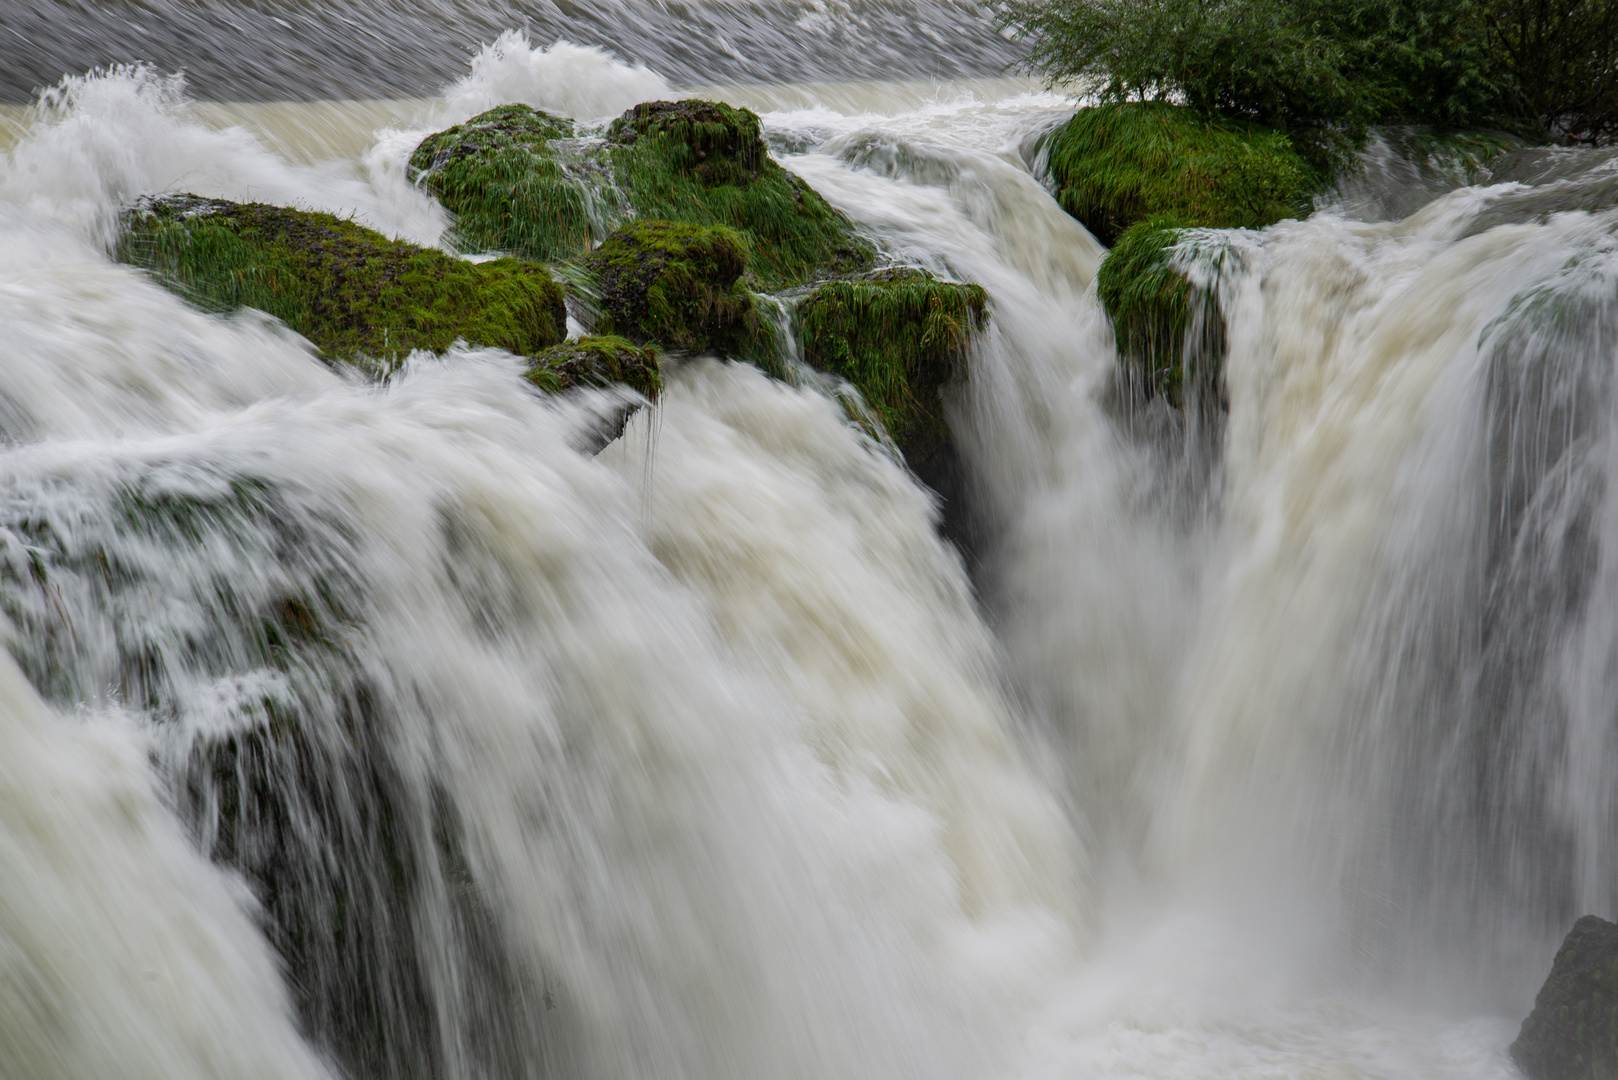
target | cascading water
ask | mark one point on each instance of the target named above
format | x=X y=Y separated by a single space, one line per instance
x=1274 y=742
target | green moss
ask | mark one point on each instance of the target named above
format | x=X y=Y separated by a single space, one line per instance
x=597 y=361
x=514 y=187
x=1116 y=165
x=705 y=163
x=899 y=336
x=1154 y=307
x=675 y=284
x=353 y=292
x=499 y=176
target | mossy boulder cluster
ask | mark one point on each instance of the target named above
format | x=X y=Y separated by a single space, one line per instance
x=355 y=294
x=1138 y=174
x=521 y=181
x=1572 y=1034
x=669 y=226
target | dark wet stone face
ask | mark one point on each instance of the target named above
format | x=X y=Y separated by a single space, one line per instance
x=1572 y=1034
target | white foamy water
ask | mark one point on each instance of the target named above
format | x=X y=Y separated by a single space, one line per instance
x=1269 y=745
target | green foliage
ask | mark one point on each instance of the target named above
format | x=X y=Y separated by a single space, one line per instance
x=1117 y=164
x=675 y=284
x=899 y=336
x=1562 y=58
x=353 y=292
x=500 y=178
x=1321 y=70
x=597 y=361
x=706 y=164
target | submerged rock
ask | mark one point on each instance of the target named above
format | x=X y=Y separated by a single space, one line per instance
x=499 y=176
x=900 y=336
x=696 y=162
x=675 y=284
x=1572 y=1034
x=1116 y=165
x=357 y=295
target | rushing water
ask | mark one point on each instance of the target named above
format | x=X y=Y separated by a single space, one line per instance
x=387 y=732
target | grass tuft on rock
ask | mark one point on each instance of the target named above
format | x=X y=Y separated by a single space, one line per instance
x=500 y=178
x=900 y=336
x=597 y=361
x=706 y=164
x=357 y=295
x=675 y=284
x=1116 y=165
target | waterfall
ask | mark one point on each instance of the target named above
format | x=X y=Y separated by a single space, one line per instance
x=391 y=731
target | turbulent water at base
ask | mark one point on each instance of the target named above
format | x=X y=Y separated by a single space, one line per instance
x=384 y=732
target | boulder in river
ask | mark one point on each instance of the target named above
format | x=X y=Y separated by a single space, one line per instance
x=674 y=284
x=1572 y=1034
x=900 y=336
x=501 y=178
x=706 y=163
x=1115 y=165
x=357 y=295
x=597 y=361
x=531 y=184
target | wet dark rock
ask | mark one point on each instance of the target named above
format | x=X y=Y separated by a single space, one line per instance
x=1572 y=1034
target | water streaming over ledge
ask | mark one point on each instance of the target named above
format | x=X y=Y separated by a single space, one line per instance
x=385 y=732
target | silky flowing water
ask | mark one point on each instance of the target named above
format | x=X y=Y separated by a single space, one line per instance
x=389 y=731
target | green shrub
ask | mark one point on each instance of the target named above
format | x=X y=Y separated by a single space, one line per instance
x=353 y=292
x=706 y=164
x=597 y=361
x=1561 y=58
x=500 y=178
x=1118 y=164
x=1322 y=70
x=675 y=284
x=899 y=336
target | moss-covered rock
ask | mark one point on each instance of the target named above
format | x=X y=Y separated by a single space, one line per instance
x=1572 y=1034
x=900 y=336
x=706 y=163
x=353 y=292
x=597 y=361
x=1115 y=165
x=498 y=174
x=520 y=182
x=1162 y=320
x=675 y=284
